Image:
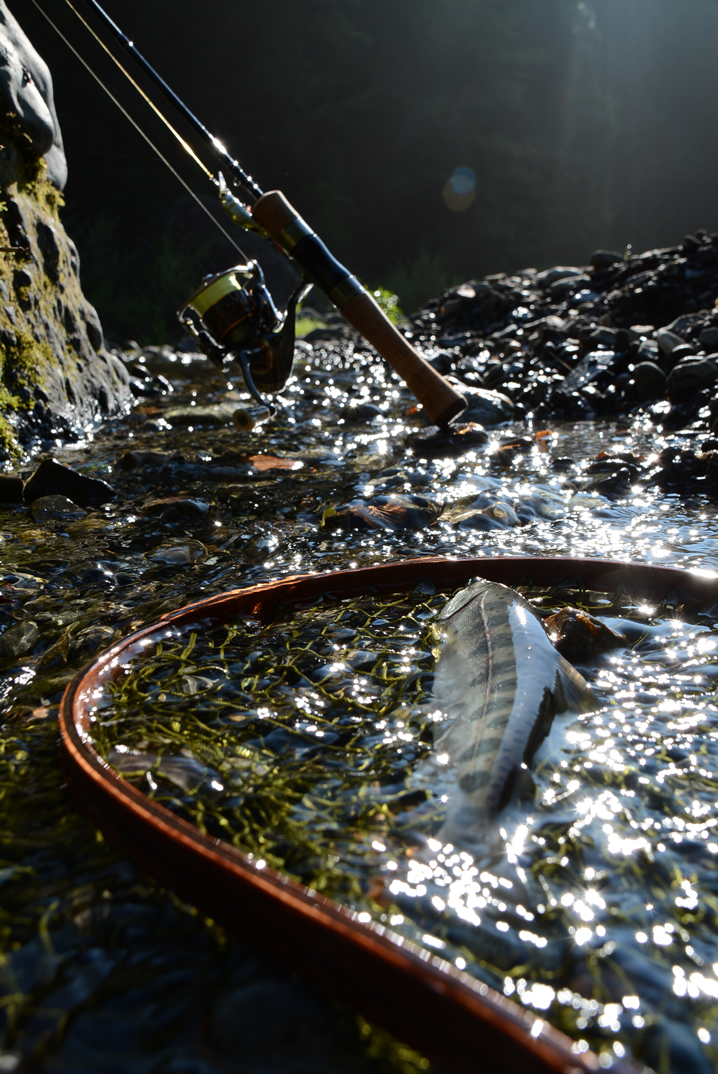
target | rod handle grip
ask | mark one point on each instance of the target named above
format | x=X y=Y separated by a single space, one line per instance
x=274 y=213
x=440 y=401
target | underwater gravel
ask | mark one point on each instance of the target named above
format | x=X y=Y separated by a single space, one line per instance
x=103 y=969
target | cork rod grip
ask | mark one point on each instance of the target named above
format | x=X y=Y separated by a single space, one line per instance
x=440 y=401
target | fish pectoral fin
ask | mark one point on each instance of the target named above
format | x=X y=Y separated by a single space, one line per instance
x=524 y=785
x=571 y=691
x=542 y=724
x=519 y=786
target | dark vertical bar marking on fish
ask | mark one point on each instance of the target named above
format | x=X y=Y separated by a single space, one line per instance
x=500 y=682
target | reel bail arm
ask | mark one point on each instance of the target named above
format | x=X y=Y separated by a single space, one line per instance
x=232 y=317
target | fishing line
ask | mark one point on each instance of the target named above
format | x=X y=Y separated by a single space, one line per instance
x=146 y=137
x=185 y=145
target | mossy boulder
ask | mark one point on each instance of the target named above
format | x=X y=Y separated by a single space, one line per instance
x=56 y=378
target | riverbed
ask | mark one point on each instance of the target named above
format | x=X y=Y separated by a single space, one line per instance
x=105 y=970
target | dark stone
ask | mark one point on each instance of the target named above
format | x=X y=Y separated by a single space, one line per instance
x=605 y=336
x=176 y=505
x=692 y=375
x=603 y=259
x=131 y=460
x=52 y=478
x=11 y=489
x=650 y=381
x=685 y=350
x=443 y=362
x=569 y=285
x=61 y=508
x=589 y=369
x=363 y=413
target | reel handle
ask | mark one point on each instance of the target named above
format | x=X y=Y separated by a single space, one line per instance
x=273 y=212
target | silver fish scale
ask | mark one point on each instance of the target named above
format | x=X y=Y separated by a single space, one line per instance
x=500 y=681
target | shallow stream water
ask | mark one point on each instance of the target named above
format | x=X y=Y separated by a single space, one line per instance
x=104 y=970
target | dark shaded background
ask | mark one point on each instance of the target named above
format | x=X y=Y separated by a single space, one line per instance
x=588 y=124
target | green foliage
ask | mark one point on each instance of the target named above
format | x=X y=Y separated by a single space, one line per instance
x=422 y=277
x=306 y=323
x=389 y=303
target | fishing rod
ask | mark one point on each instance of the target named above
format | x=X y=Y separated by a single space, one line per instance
x=232 y=167
x=232 y=315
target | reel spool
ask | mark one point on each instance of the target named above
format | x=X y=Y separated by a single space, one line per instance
x=232 y=315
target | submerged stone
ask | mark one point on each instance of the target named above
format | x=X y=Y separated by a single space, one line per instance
x=61 y=508
x=178 y=553
x=20 y=639
x=133 y=460
x=207 y=414
x=456 y=440
x=498 y=516
x=174 y=506
x=384 y=513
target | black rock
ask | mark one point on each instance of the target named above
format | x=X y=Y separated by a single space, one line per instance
x=11 y=489
x=362 y=413
x=603 y=259
x=53 y=479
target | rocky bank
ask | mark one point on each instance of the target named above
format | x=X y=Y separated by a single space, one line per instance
x=56 y=378
x=624 y=333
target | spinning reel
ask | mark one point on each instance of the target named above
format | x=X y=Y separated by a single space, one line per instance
x=232 y=316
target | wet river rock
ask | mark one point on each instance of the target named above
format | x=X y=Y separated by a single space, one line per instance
x=623 y=334
x=579 y=636
x=26 y=89
x=55 y=508
x=56 y=376
x=72 y=585
x=52 y=478
x=384 y=513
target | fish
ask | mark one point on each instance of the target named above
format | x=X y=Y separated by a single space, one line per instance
x=500 y=682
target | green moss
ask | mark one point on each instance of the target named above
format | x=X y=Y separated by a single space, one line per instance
x=8 y=440
x=25 y=355
x=46 y=195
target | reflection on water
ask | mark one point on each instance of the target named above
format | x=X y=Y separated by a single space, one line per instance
x=69 y=588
